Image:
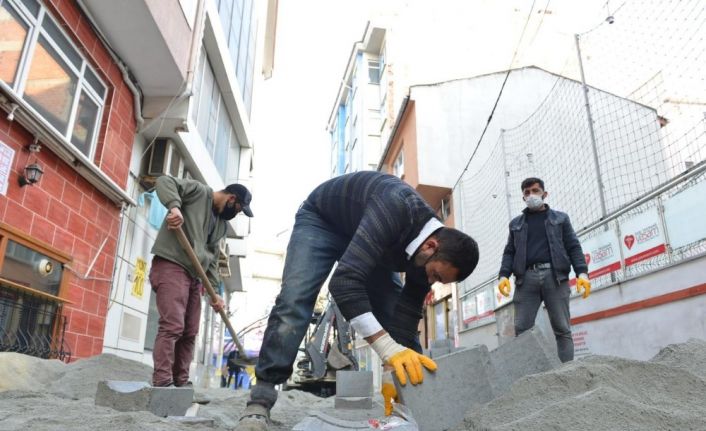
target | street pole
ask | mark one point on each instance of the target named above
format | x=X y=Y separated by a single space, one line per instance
x=599 y=178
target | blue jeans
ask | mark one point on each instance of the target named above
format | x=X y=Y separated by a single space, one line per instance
x=313 y=249
x=541 y=285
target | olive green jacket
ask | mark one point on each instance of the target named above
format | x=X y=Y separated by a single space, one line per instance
x=195 y=200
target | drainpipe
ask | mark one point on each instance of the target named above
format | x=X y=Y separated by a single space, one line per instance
x=136 y=94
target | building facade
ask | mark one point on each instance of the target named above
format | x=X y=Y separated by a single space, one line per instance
x=69 y=114
x=195 y=63
x=100 y=98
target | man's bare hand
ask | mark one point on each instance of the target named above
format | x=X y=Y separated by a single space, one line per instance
x=217 y=303
x=174 y=218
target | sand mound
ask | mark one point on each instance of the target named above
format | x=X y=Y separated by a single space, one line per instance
x=76 y=380
x=596 y=393
x=22 y=372
x=689 y=356
x=36 y=411
x=80 y=379
x=604 y=393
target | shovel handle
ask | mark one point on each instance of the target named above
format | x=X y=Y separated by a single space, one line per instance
x=181 y=236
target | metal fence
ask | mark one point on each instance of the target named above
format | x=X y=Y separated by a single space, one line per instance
x=623 y=153
x=32 y=326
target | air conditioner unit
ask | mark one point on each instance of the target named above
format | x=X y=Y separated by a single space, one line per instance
x=165 y=159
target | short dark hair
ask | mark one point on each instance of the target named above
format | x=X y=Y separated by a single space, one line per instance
x=531 y=180
x=457 y=248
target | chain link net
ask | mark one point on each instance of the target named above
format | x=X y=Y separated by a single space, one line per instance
x=646 y=96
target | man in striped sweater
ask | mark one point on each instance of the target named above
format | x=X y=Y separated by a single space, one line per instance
x=375 y=226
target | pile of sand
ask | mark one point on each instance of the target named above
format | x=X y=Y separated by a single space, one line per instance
x=595 y=393
x=43 y=395
x=76 y=380
x=605 y=393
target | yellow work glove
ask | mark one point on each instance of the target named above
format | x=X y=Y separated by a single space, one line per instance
x=388 y=391
x=583 y=283
x=504 y=286
x=405 y=361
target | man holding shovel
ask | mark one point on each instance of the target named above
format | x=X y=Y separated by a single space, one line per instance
x=203 y=214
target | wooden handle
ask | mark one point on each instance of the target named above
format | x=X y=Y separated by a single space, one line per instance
x=181 y=236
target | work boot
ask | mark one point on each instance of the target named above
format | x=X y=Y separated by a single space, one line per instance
x=255 y=417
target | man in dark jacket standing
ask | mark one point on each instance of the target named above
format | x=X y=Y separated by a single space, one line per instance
x=204 y=213
x=375 y=226
x=541 y=249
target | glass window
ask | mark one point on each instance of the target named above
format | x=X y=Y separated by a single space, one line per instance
x=26 y=267
x=206 y=89
x=13 y=33
x=85 y=124
x=233 y=166
x=216 y=104
x=94 y=83
x=60 y=40
x=374 y=72
x=32 y=6
x=214 y=124
x=220 y=157
x=51 y=85
x=54 y=77
x=198 y=82
x=225 y=12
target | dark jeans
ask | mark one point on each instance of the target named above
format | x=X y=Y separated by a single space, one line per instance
x=313 y=249
x=541 y=285
x=179 y=306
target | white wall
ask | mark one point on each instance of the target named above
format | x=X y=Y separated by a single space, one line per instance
x=640 y=334
x=452 y=116
x=126 y=321
x=486 y=334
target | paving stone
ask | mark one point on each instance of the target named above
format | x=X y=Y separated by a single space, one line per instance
x=126 y=396
x=354 y=383
x=530 y=353
x=436 y=352
x=358 y=403
x=462 y=381
x=442 y=344
x=318 y=421
x=192 y=420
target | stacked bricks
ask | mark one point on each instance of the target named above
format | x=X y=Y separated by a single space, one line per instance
x=127 y=396
x=474 y=376
x=66 y=215
x=354 y=390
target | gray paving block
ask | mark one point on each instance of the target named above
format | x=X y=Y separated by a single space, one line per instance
x=529 y=353
x=126 y=396
x=319 y=421
x=436 y=352
x=462 y=381
x=357 y=403
x=354 y=383
x=442 y=344
x=192 y=420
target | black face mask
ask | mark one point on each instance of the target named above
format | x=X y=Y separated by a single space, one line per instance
x=228 y=212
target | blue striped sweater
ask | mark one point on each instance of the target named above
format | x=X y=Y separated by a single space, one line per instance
x=381 y=215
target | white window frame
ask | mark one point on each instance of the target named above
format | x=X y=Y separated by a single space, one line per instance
x=398 y=166
x=24 y=65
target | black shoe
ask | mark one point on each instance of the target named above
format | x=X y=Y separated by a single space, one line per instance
x=166 y=385
x=188 y=384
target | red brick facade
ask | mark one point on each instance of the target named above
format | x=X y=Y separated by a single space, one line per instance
x=64 y=210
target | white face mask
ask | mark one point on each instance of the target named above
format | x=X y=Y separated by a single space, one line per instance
x=534 y=202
